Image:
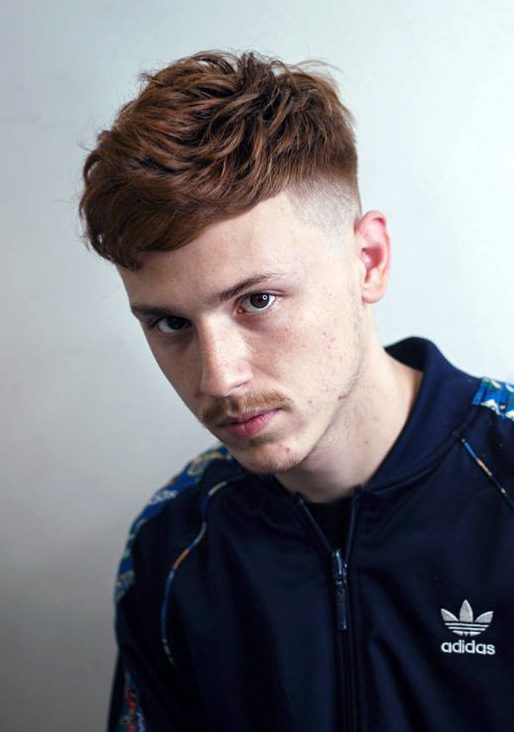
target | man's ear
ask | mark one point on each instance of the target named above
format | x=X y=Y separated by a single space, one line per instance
x=374 y=248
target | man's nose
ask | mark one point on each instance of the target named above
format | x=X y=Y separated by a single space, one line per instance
x=224 y=361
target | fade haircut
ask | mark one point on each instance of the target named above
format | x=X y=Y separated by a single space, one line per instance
x=207 y=138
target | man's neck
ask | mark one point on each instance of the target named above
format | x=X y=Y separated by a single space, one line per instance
x=362 y=436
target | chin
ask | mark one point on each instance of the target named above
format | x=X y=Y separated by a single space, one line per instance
x=268 y=459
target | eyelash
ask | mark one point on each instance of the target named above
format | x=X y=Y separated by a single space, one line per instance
x=153 y=325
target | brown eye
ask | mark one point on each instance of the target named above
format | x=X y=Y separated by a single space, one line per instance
x=171 y=324
x=258 y=302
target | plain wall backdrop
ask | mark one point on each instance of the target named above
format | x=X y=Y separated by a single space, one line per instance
x=90 y=428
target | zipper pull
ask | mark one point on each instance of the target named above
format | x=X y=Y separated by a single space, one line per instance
x=339 y=575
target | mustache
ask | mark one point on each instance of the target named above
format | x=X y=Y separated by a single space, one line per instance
x=225 y=407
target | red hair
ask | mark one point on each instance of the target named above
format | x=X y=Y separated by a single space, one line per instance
x=209 y=137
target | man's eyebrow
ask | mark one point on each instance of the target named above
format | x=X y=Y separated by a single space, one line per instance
x=219 y=297
x=140 y=311
x=246 y=284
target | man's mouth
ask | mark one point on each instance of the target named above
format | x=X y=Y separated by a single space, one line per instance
x=248 y=424
x=240 y=418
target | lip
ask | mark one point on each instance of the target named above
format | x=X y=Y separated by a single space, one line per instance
x=249 y=424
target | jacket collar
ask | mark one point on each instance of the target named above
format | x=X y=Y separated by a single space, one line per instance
x=442 y=405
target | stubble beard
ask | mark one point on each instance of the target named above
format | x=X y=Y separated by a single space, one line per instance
x=280 y=458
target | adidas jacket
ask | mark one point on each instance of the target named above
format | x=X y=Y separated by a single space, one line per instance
x=234 y=615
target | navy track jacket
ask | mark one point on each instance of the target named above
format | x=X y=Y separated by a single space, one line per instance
x=234 y=614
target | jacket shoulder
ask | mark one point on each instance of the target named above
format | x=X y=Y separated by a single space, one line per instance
x=183 y=482
x=497 y=396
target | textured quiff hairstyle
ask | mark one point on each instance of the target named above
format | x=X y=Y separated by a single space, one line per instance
x=207 y=138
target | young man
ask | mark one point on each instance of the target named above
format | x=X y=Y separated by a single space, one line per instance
x=341 y=561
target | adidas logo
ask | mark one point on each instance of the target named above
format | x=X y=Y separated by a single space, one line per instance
x=466 y=625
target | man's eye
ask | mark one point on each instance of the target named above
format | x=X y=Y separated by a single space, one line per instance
x=170 y=324
x=258 y=302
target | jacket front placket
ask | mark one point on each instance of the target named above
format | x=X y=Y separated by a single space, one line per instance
x=337 y=561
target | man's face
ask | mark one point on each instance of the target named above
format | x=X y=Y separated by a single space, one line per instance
x=259 y=326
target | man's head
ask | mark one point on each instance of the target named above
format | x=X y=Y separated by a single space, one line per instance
x=227 y=195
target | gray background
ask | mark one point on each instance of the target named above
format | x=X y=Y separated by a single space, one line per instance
x=90 y=428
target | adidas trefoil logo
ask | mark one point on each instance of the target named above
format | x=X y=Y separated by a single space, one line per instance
x=466 y=625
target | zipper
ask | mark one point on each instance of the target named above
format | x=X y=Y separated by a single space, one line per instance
x=340 y=577
x=339 y=574
x=352 y=690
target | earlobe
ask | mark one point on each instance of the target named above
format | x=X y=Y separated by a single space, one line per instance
x=374 y=252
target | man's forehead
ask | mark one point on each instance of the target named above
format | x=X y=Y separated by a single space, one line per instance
x=212 y=274
x=227 y=253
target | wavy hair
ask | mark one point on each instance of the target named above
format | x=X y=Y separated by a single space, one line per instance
x=207 y=138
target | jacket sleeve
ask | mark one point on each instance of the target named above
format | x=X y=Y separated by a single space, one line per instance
x=148 y=694
x=151 y=692
x=125 y=712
